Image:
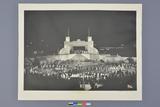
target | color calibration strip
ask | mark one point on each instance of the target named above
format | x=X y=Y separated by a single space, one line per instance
x=83 y=103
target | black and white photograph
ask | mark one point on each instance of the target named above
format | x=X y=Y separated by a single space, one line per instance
x=81 y=49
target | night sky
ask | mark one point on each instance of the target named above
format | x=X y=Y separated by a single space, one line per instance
x=45 y=31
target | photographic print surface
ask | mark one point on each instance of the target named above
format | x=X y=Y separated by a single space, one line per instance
x=80 y=50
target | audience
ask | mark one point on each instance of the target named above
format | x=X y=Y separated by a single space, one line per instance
x=99 y=74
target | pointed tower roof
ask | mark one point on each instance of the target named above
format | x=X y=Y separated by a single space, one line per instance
x=89 y=32
x=68 y=31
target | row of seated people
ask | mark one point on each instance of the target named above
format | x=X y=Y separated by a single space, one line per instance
x=66 y=70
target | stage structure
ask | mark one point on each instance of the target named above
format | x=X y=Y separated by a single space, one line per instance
x=81 y=50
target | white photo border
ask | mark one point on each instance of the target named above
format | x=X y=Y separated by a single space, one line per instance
x=79 y=95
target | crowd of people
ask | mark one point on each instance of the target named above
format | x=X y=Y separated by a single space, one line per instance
x=121 y=75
